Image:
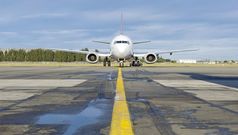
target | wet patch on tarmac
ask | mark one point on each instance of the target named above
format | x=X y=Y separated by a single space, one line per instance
x=97 y=111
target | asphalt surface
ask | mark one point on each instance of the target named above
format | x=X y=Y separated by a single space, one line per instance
x=79 y=100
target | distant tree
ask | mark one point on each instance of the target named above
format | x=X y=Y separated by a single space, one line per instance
x=174 y=61
x=5 y=56
x=31 y=55
x=167 y=60
x=38 y=55
x=35 y=55
x=80 y=57
x=1 y=56
x=70 y=57
x=96 y=50
x=61 y=56
x=20 y=55
x=48 y=55
x=58 y=56
x=10 y=55
x=161 y=59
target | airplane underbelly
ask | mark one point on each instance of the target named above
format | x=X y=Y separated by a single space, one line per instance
x=121 y=55
x=122 y=51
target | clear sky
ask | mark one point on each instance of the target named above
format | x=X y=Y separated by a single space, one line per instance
x=210 y=25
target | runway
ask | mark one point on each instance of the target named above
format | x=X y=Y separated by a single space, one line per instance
x=80 y=100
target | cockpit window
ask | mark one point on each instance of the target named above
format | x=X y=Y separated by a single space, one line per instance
x=118 y=42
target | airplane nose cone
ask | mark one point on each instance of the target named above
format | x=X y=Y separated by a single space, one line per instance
x=121 y=49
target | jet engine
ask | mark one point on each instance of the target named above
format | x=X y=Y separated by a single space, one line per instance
x=92 y=58
x=150 y=58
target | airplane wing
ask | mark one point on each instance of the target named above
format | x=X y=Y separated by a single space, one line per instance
x=175 y=51
x=102 y=42
x=104 y=54
x=139 y=55
x=141 y=42
x=165 y=52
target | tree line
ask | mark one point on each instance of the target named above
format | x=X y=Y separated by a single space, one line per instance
x=161 y=60
x=38 y=55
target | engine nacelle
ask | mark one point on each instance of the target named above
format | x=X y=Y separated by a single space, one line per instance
x=92 y=58
x=150 y=58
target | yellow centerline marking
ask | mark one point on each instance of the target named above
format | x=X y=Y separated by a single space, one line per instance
x=121 y=121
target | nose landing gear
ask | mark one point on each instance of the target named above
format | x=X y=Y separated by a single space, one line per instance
x=121 y=64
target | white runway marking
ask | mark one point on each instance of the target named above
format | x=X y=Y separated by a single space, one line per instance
x=19 y=89
x=39 y=82
x=15 y=95
x=203 y=89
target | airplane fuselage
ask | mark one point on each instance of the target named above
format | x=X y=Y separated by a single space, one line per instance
x=121 y=48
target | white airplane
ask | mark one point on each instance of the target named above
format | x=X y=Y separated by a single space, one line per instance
x=121 y=50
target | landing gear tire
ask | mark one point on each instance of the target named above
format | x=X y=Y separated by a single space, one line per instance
x=104 y=63
x=133 y=63
x=109 y=63
x=136 y=63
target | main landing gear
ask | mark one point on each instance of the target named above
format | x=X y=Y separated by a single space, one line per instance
x=106 y=62
x=135 y=63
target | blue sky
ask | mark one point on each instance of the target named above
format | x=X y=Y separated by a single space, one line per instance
x=210 y=25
